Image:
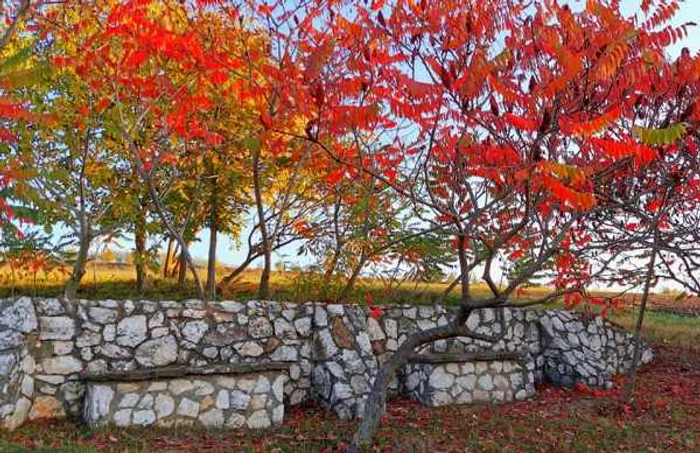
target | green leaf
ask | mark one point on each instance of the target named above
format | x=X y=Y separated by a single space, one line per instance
x=657 y=137
x=253 y=144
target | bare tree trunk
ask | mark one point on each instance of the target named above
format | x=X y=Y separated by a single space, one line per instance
x=374 y=407
x=376 y=401
x=636 y=356
x=182 y=266
x=451 y=286
x=226 y=281
x=175 y=257
x=211 y=262
x=463 y=264
x=350 y=285
x=160 y=210
x=168 y=257
x=264 y=288
x=71 y=289
x=140 y=247
x=330 y=267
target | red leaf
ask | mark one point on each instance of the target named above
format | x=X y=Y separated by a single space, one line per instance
x=521 y=123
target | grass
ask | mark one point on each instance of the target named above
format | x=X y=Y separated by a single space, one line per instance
x=118 y=282
x=667 y=329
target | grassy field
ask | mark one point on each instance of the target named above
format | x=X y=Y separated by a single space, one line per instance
x=665 y=415
x=118 y=282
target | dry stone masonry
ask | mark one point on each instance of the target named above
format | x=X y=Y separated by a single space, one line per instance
x=441 y=380
x=207 y=397
x=331 y=352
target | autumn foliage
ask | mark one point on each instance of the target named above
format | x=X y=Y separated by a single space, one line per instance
x=517 y=142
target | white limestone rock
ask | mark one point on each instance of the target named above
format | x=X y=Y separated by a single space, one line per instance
x=223 y=399
x=164 y=405
x=102 y=315
x=485 y=382
x=239 y=400
x=56 y=328
x=194 y=331
x=97 y=402
x=62 y=365
x=159 y=352
x=285 y=354
x=284 y=330
x=249 y=349
x=259 y=327
x=19 y=315
x=144 y=418
x=122 y=417
x=235 y=421
x=439 y=379
x=303 y=326
x=213 y=418
x=188 y=408
x=132 y=331
x=258 y=420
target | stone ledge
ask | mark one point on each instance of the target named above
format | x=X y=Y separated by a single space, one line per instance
x=182 y=371
x=458 y=357
x=253 y=401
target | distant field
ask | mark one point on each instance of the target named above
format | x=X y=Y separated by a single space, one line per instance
x=117 y=281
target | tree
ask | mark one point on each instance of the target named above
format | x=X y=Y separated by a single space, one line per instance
x=15 y=71
x=154 y=64
x=504 y=116
x=72 y=172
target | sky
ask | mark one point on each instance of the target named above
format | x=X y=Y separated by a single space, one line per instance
x=230 y=254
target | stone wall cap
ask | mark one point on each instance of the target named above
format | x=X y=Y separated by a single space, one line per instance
x=168 y=372
x=481 y=356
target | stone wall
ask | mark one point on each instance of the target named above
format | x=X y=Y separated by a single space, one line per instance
x=333 y=351
x=254 y=401
x=469 y=381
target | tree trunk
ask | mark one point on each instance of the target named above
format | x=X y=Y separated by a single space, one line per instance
x=451 y=286
x=211 y=262
x=376 y=401
x=227 y=280
x=636 y=356
x=168 y=255
x=264 y=288
x=463 y=265
x=330 y=267
x=140 y=247
x=71 y=289
x=374 y=407
x=160 y=210
x=350 y=285
x=182 y=266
